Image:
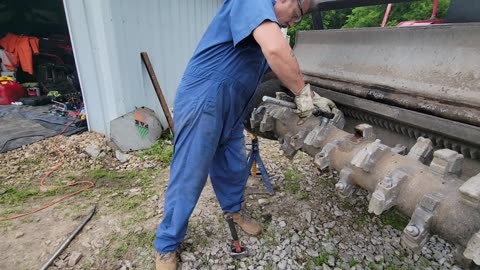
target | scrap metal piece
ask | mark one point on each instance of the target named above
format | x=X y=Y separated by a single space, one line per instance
x=446 y=163
x=472 y=251
x=387 y=191
x=416 y=234
x=470 y=191
x=368 y=156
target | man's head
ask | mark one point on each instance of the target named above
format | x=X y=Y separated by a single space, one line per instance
x=290 y=12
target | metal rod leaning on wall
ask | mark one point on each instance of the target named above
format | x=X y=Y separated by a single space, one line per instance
x=158 y=89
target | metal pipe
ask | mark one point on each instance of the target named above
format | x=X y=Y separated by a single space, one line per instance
x=68 y=240
x=387 y=13
x=434 y=9
x=456 y=112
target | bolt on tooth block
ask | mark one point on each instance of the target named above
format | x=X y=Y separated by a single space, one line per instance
x=422 y=150
x=365 y=131
x=322 y=159
x=316 y=136
x=472 y=251
x=297 y=140
x=344 y=186
x=470 y=192
x=399 y=149
x=446 y=163
x=385 y=195
x=416 y=234
x=369 y=155
x=267 y=123
x=287 y=148
x=257 y=117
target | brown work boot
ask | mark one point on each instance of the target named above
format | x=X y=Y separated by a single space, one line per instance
x=166 y=261
x=247 y=224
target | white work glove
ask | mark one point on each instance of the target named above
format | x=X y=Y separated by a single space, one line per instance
x=304 y=102
x=323 y=104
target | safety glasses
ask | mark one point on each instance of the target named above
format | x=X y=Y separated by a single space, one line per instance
x=297 y=18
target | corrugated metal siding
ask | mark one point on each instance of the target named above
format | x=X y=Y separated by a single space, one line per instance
x=108 y=37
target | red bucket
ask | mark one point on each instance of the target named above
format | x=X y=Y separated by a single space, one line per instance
x=10 y=91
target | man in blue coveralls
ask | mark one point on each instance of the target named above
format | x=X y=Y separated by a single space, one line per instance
x=243 y=41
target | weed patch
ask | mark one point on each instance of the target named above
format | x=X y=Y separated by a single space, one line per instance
x=395 y=219
x=161 y=150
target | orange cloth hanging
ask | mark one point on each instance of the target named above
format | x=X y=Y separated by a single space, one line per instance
x=22 y=48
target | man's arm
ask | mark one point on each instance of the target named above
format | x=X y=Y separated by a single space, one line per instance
x=279 y=56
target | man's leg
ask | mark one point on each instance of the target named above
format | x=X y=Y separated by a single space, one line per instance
x=197 y=132
x=229 y=175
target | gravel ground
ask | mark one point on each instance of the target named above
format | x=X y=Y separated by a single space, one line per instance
x=306 y=225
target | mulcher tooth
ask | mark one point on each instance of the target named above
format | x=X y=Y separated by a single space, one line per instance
x=369 y=155
x=472 y=252
x=344 y=186
x=386 y=193
x=297 y=140
x=267 y=123
x=322 y=159
x=416 y=234
x=257 y=117
x=315 y=137
x=422 y=150
x=365 y=131
x=446 y=164
x=288 y=150
x=470 y=192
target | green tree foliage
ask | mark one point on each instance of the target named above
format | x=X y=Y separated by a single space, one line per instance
x=303 y=25
x=373 y=15
x=335 y=19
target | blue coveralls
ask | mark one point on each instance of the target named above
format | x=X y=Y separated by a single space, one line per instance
x=209 y=109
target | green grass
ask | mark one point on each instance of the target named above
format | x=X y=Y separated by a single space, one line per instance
x=161 y=150
x=30 y=161
x=123 y=246
x=424 y=263
x=293 y=178
x=322 y=258
x=14 y=196
x=395 y=219
x=353 y=262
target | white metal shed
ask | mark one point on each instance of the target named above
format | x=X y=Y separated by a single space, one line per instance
x=108 y=36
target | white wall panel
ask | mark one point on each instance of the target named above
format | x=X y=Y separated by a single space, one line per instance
x=108 y=36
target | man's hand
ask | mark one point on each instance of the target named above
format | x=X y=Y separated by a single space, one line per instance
x=323 y=104
x=307 y=101
x=304 y=102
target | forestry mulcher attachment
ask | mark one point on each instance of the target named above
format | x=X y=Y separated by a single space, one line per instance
x=407 y=128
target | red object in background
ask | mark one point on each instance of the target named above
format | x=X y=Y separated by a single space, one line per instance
x=10 y=91
x=433 y=19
